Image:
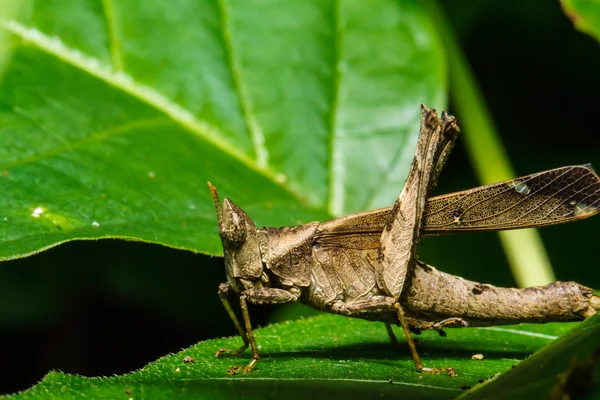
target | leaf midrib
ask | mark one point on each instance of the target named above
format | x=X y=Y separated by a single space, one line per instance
x=279 y=379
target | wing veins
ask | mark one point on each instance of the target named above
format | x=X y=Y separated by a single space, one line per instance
x=555 y=192
x=508 y=189
x=528 y=199
x=480 y=202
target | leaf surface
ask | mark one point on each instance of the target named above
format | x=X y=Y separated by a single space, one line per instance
x=113 y=115
x=333 y=354
x=585 y=15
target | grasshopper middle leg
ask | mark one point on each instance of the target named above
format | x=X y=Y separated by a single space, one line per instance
x=413 y=348
x=383 y=304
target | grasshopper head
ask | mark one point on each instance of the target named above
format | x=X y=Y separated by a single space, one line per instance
x=241 y=249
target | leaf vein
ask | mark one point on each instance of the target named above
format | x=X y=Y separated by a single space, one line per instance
x=94 y=137
x=519 y=332
x=256 y=133
x=340 y=380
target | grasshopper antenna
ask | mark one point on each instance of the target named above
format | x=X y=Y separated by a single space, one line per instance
x=215 y=196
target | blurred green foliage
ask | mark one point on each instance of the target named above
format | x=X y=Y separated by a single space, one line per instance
x=297 y=112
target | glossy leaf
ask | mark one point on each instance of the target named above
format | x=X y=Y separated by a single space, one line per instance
x=304 y=358
x=113 y=115
x=585 y=15
x=574 y=358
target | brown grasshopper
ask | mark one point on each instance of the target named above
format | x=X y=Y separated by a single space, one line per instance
x=365 y=265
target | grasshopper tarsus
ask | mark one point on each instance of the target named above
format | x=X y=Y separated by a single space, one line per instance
x=237 y=352
x=234 y=369
x=439 y=326
x=452 y=321
x=437 y=371
x=237 y=368
x=251 y=365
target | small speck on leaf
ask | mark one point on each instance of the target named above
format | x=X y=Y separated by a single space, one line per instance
x=280 y=178
x=477 y=357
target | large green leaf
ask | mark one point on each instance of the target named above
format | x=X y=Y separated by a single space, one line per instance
x=569 y=368
x=585 y=15
x=113 y=115
x=352 y=358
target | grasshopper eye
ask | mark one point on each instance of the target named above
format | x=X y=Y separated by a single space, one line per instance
x=232 y=225
x=234 y=229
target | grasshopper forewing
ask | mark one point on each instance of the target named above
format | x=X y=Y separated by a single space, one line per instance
x=545 y=198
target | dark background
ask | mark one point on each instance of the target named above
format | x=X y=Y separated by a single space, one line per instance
x=110 y=307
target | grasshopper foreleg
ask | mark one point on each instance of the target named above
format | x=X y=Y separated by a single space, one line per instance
x=255 y=296
x=224 y=296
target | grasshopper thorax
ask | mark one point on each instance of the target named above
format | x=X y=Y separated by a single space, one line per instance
x=241 y=246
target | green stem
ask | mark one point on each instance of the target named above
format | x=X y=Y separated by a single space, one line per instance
x=526 y=254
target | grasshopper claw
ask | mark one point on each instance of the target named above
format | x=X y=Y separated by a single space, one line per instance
x=236 y=368
x=237 y=352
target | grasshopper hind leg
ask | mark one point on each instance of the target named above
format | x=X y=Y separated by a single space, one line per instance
x=413 y=348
